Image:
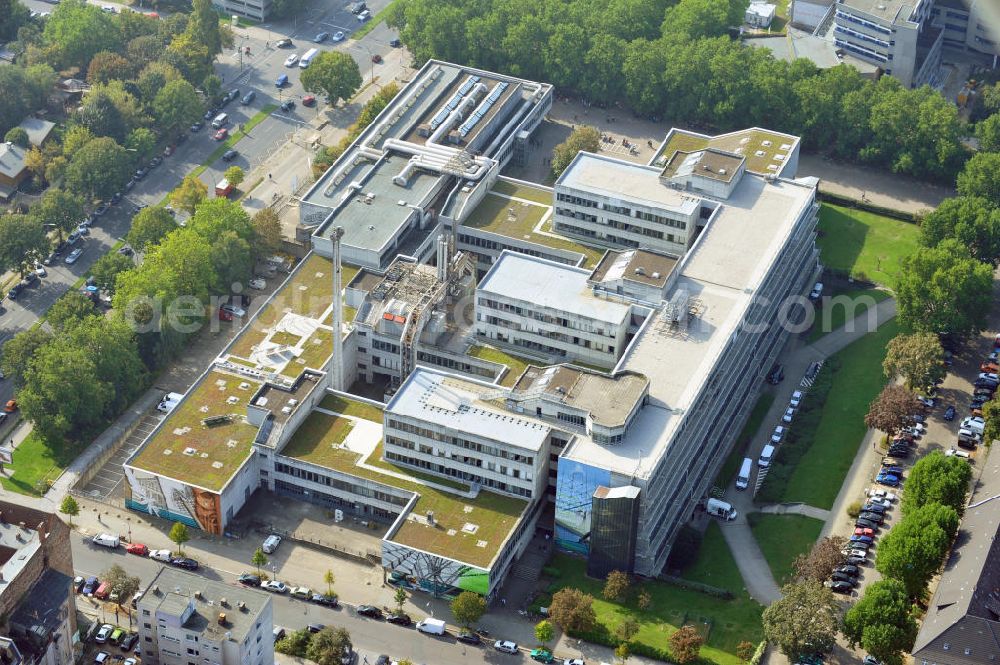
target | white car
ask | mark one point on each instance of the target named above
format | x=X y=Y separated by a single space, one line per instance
x=338 y=36
x=271 y=543
x=258 y=284
x=796 y=399
x=505 y=646
x=104 y=633
x=884 y=495
x=574 y=661
x=102 y=658
x=952 y=452
x=302 y=592
x=861 y=554
x=160 y=555
x=73 y=256
x=789 y=414
x=292 y=60
x=779 y=434
x=274 y=586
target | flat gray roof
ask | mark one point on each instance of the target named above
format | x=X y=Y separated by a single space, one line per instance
x=887 y=10
x=608 y=400
x=820 y=50
x=608 y=176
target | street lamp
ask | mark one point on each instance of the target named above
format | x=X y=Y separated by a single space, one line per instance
x=371 y=57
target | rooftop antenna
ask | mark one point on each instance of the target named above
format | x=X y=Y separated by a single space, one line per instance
x=337 y=365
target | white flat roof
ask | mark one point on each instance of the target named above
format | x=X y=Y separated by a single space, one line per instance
x=548 y=284
x=721 y=274
x=455 y=403
x=624 y=181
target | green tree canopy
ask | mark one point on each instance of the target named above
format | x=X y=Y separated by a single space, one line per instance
x=973 y=221
x=911 y=552
x=99 y=169
x=936 y=478
x=988 y=133
x=106 y=269
x=917 y=357
x=882 y=622
x=189 y=194
x=804 y=620
x=18 y=136
x=22 y=242
x=19 y=350
x=333 y=73
x=179 y=535
x=177 y=105
x=468 y=608
x=62 y=209
x=149 y=227
x=76 y=31
x=70 y=310
x=981 y=177
x=941 y=289
x=581 y=139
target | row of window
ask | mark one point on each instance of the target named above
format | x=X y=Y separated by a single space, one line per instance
x=860 y=21
x=581 y=324
x=351 y=488
x=379 y=345
x=576 y=200
x=862 y=36
x=618 y=210
x=456 y=473
x=639 y=230
x=459 y=442
x=497 y=247
x=575 y=214
x=547 y=334
x=477 y=462
x=860 y=50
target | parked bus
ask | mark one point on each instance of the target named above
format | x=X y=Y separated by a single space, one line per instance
x=307 y=58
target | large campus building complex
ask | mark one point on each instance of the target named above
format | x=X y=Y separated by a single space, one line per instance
x=576 y=358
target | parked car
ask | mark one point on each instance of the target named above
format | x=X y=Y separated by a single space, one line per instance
x=248 y=579
x=776 y=375
x=879 y=493
x=778 y=434
x=284 y=43
x=229 y=155
x=840 y=587
x=315 y=627
x=292 y=60
x=377 y=59
x=184 y=562
x=841 y=577
x=395 y=43
x=338 y=36
x=847 y=569
x=274 y=586
x=870 y=516
x=137 y=548
x=868 y=540
x=468 y=636
x=303 y=592
x=887 y=479
x=89 y=586
x=287 y=105
x=281 y=81
x=221 y=134
x=949 y=413
x=863 y=531
x=370 y=611
x=73 y=256
x=951 y=452
x=102 y=658
x=160 y=555
x=321 y=37
x=271 y=544
x=309 y=100
x=505 y=646
x=104 y=633
x=899 y=451
x=400 y=619
x=796 y=399
x=926 y=401
x=541 y=655
x=789 y=415
x=247 y=98
x=323 y=599
x=128 y=644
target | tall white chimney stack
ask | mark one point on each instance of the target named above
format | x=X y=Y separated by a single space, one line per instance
x=337 y=364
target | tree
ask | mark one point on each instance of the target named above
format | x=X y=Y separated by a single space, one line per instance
x=917 y=357
x=121 y=583
x=988 y=133
x=18 y=352
x=821 y=560
x=329 y=579
x=212 y=86
x=804 y=620
x=616 y=586
x=399 y=598
x=467 y=608
x=189 y=194
x=142 y=141
x=622 y=653
x=76 y=31
x=644 y=600
x=940 y=289
x=203 y=26
x=991 y=414
x=334 y=74
x=106 y=269
x=259 y=559
x=18 y=136
x=911 y=552
x=22 y=242
x=234 y=174
x=627 y=629
x=266 y=232
x=581 y=139
x=981 y=177
x=936 y=478
x=98 y=169
x=106 y=66
x=149 y=227
x=179 y=536
x=572 y=610
x=544 y=632
x=685 y=644
x=295 y=643
x=62 y=209
x=69 y=507
x=69 y=310
x=12 y=16
x=892 y=410
x=328 y=645
x=973 y=221
x=882 y=622
x=745 y=651
x=177 y=105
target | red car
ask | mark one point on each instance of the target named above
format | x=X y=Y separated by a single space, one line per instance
x=11 y=406
x=137 y=548
x=861 y=531
x=308 y=100
x=376 y=58
x=221 y=134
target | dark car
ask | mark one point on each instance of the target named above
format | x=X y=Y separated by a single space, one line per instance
x=899 y=451
x=894 y=470
x=876 y=508
x=232 y=94
x=949 y=413
x=48 y=260
x=370 y=611
x=229 y=155
x=287 y=105
x=196 y=127
x=775 y=376
x=247 y=98
x=315 y=627
x=395 y=43
x=841 y=577
x=210 y=113
x=468 y=637
x=284 y=43
x=853 y=571
x=400 y=619
x=841 y=587
x=247 y=579
x=865 y=524
x=156 y=161
x=184 y=562
x=129 y=642
x=15 y=291
x=868 y=540
x=90 y=586
x=323 y=599
x=321 y=37
x=872 y=516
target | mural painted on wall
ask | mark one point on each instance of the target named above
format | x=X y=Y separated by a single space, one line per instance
x=575 y=487
x=173 y=500
x=434 y=573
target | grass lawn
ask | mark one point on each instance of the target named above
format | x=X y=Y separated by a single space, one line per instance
x=715 y=565
x=829 y=450
x=732 y=463
x=516 y=365
x=352 y=408
x=35 y=460
x=866 y=245
x=833 y=314
x=727 y=622
x=782 y=538
x=543 y=196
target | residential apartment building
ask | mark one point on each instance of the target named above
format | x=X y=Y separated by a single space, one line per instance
x=548 y=310
x=37 y=606
x=185 y=619
x=896 y=35
x=973 y=25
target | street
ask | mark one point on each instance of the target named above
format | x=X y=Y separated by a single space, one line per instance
x=370 y=637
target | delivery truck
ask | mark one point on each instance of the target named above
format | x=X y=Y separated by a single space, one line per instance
x=431 y=626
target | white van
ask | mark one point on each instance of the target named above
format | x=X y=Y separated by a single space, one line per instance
x=220 y=120
x=718 y=508
x=431 y=626
x=106 y=540
x=743 y=480
x=764 y=460
x=778 y=435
